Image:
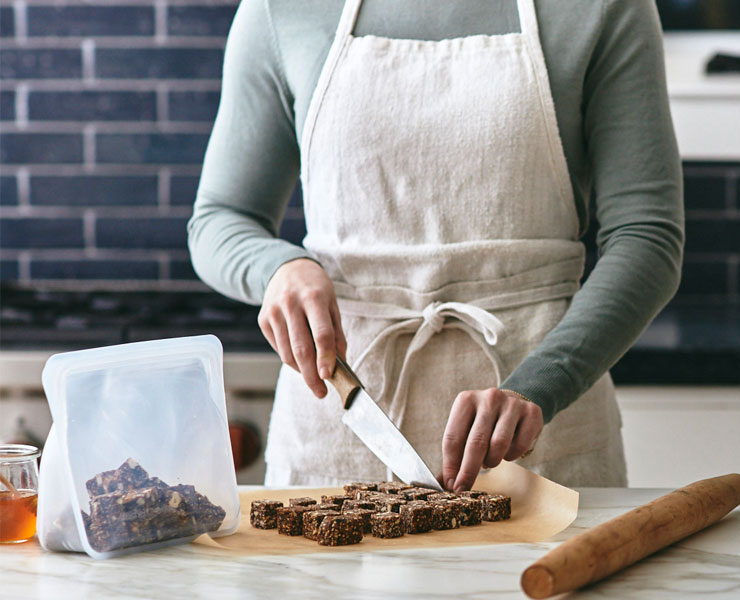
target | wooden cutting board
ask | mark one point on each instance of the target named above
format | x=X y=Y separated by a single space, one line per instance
x=539 y=510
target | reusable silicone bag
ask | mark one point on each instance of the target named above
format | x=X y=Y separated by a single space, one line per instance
x=139 y=455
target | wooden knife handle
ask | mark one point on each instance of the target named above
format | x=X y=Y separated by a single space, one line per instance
x=345 y=381
x=613 y=545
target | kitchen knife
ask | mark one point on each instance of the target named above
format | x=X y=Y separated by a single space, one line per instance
x=369 y=423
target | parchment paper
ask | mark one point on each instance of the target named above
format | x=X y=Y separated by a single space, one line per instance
x=539 y=510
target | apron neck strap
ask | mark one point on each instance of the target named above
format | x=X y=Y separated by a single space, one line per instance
x=348 y=19
x=528 y=19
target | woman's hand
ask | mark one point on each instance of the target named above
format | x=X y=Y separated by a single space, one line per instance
x=300 y=319
x=484 y=427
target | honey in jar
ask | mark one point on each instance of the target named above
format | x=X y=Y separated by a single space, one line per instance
x=17 y=515
x=18 y=492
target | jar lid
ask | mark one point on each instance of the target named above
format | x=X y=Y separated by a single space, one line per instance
x=17 y=452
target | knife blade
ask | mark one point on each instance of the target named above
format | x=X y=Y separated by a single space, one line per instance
x=369 y=423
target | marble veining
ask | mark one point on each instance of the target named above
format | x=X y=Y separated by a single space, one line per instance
x=706 y=565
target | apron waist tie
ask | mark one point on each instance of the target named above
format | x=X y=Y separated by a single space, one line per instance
x=477 y=322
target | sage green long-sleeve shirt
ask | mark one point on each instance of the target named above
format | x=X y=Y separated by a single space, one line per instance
x=605 y=63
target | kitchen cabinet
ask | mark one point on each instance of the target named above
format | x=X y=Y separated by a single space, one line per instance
x=675 y=435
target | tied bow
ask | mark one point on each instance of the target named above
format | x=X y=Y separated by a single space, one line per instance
x=474 y=320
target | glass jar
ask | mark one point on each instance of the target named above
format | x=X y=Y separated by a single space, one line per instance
x=19 y=485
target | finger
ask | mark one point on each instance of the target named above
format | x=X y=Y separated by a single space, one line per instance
x=476 y=448
x=322 y=331
x=462 y=415
x=527 y=431
x=339 y=341
x=302 y=347
x=503 y=434
x=282 y=339
x=266 y=329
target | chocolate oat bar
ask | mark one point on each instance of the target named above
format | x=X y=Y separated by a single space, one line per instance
x=366 y=494
x=388 y=503
x=416 y=493
x=263 y=513
x=207 y=515
x=387 y=525
x=338 y=499
x=290 y=519
x=123 y=519
x=496 y=507
x=340 y=530
x=352 y=504
x=365 y=515
x=417 y=517
x=304 y=501
x=474 y=493
x=351 y=488
x=312 y=520
x=129 y=476
x=447 y=514
x=472 y=511
x=128 y=508
x=325 y=506
x=442 y=496
x=393 y=487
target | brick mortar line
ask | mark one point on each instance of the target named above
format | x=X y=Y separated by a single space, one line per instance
x=109 y=127
x=88 y=146
x=713 y=299
x=160 y=21
x=721 y=214
x=87 y=47
x=163 y=261
x=163 y=190
x=118 y=212
x=88 y=229
x=134 y=127
x=23 y=182
x=711 y=171
x=123 y=42
x=76 y=3
x=21 y=106
x=138 y=254
x=162 y=100
x=20 y=20
x=112 y=85
x=24 y=266
x=733 y=266
x=701 y=257
x=13 y=167
x=121 y=285
x=77 y=169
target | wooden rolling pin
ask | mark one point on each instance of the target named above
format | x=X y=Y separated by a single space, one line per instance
x=618 y=543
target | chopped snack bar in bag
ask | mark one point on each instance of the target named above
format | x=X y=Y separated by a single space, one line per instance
x=139 y=454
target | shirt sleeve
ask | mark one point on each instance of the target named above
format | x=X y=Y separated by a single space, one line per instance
x=250 y=168
x=637 y=185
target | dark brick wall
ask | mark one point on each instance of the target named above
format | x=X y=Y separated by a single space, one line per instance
x=105 y=112
x=105 y=109
x=712 y=261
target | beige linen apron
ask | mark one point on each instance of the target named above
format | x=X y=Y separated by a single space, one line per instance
x=438 y=200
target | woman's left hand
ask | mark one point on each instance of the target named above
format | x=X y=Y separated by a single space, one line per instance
x=484 y=427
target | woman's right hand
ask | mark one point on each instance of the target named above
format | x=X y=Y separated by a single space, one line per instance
x=300 y=319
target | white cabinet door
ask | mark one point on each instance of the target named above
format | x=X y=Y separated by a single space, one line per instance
x=676 y=435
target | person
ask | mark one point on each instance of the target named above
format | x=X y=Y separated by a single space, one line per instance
x=446 y=153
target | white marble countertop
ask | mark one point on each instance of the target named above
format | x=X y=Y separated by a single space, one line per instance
x=706 y=565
